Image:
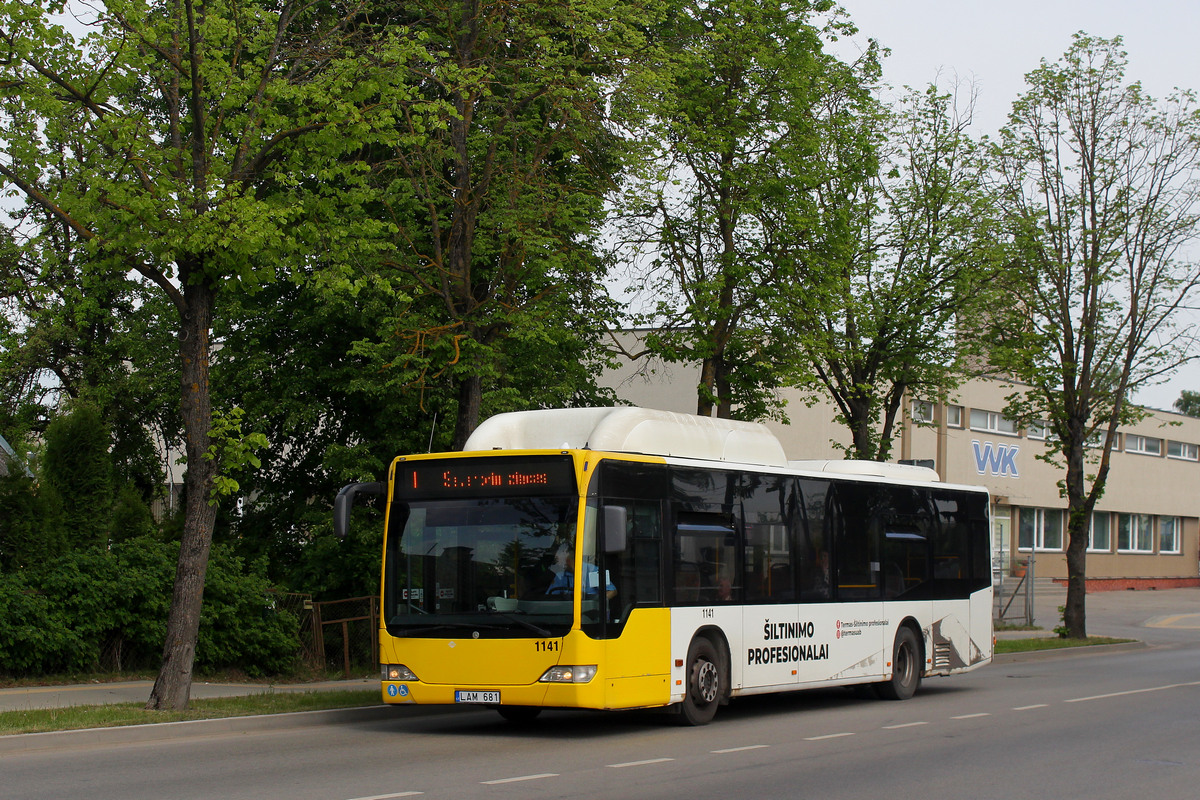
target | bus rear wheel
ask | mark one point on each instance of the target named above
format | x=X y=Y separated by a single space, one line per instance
x=906 y=667
x=705 y=682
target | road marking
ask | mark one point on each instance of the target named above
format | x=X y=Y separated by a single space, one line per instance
x=826 y=736
x=1132 y=691
x=640 y=763
x=740 y=749
x=1193 y=621
x=388 y=796
x=972 y=716
x=521 y=778
x=1030 y=708
x=904 y=725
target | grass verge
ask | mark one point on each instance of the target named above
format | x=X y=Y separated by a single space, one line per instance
x=1051 y=643
x=41 y=720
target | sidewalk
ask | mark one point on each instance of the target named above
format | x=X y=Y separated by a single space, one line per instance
x=23 y=698
x=1154 y=617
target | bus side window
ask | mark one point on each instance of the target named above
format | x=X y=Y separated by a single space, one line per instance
x=705 y=559
x=907 y=526
x=856 y=540
x=768 y=503
x=812 y=549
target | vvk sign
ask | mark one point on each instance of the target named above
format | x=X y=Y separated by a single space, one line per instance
x=999 y=460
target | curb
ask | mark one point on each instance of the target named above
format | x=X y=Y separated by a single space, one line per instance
x=165 y=731
x=1068 y=652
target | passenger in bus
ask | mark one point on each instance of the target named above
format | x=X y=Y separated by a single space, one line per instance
x=564 y=577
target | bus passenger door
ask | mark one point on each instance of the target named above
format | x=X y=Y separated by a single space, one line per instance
x=855 y=522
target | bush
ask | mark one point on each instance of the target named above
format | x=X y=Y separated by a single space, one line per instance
x=34 y=638
x=31 y=526
x=107 y=609
x=240 y=626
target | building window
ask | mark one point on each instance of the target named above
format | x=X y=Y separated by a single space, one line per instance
x=954 y=416
x=1188 y=452
x=1041 y=528
x=992 y=422
x=1135 y=533
x=1144 y=445
x=922 y=411
x=1038 y=429
x=1168 y=534
x=1100 y=533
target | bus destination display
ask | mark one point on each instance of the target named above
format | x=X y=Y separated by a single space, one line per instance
x=486 y=477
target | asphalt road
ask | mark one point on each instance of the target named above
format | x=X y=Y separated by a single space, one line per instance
x=1110 y=724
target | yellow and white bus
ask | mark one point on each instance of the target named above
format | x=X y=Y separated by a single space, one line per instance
x=712 y=568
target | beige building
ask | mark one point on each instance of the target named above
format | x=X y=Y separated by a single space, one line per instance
x=1145 y=532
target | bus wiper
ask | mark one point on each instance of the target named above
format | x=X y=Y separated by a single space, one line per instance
x=527 y=625
x=420 y=630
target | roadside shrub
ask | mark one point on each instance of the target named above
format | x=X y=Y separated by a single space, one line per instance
x=240 y=626
x=34 y=638
x=107 y=609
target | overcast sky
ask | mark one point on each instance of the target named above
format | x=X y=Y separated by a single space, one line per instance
x=996 y=44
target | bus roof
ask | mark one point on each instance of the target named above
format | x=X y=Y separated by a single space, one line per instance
x=878 y=469
x=630 y=430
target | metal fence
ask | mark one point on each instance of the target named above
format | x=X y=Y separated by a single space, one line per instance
x=301 y=607
x=349 y=636
x=333 y=635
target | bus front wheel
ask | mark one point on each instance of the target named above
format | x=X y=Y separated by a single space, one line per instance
x=705 y=682
x=906 y=667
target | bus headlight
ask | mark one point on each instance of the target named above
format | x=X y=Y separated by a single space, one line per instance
x=569 y=674
x=398 y=672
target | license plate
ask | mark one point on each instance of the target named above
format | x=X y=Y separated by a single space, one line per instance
x=476 y=697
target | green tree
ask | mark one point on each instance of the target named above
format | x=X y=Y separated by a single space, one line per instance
x=78 y=465
x=198 y=146
x=735 y=123
x=891 y=260
x=1188 y=403
x=496 y=213
x=1098 y=186
x=74 y=335
x=32 y=531
x=333 y=415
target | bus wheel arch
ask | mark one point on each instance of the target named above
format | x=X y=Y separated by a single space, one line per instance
x=908 y=663
x=706 y=677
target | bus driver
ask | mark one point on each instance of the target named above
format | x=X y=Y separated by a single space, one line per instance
x=564 y=577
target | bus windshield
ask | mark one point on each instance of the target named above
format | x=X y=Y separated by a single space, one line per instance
x=488 y=567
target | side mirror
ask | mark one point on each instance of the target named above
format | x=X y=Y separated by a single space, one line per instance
x=344 y=502
x=615 y=520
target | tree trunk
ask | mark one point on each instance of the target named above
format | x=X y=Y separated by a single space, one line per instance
x=707 y=388
x=1078 y=521
x=470 y=402
x=172 y=689
x=1074 y=613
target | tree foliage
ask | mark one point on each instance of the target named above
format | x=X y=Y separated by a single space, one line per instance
x=495 y=212
x=78 y=465
x=1188 y=403
x=1098 y=184
x=735 y=123
x=891 y=262
x=182 y=145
